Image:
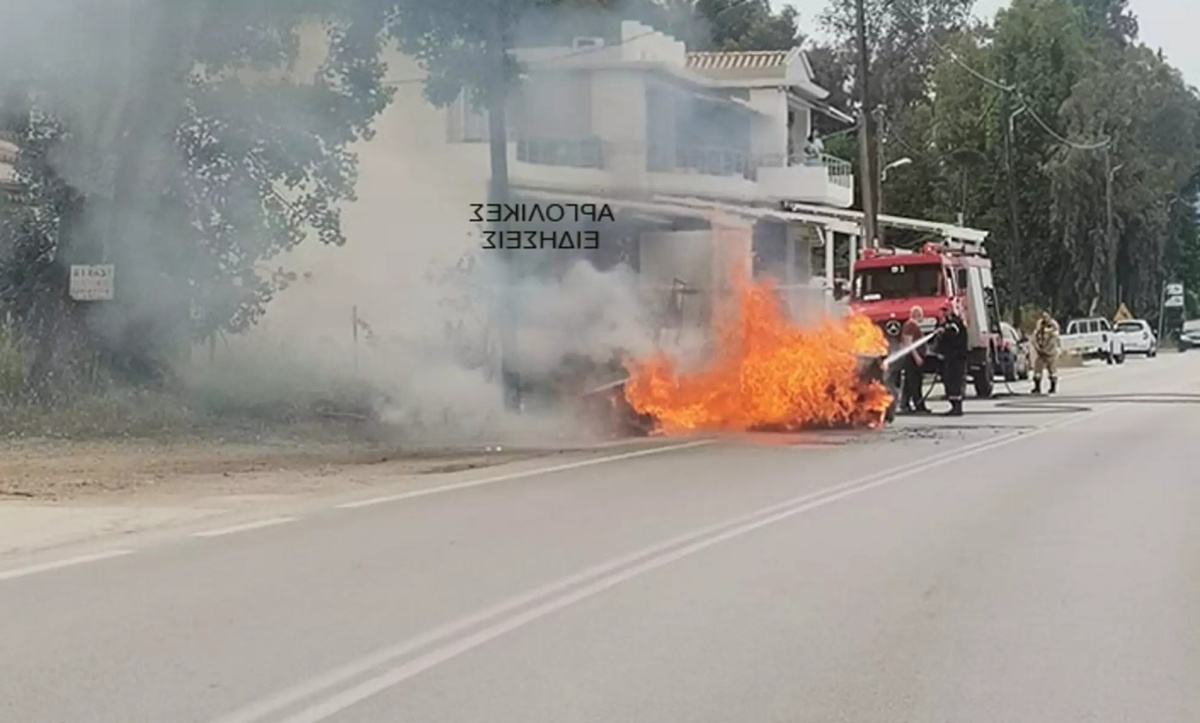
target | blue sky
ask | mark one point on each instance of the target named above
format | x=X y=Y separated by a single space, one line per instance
x=1167 y=24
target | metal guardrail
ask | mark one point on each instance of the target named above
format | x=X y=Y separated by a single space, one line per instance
x=705 y=161
x=709 y=161
x=841 y=173
x=584 y=153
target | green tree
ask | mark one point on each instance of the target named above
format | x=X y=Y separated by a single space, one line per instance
x=187 y=170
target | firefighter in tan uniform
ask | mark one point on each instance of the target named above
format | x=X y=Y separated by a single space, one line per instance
x=1045 y=351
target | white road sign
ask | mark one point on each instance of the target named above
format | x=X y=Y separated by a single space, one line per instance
x=1174 y=302
x=1174 y=290
x=92 y=282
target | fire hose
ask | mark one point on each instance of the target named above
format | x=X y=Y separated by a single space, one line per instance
x=899 y=354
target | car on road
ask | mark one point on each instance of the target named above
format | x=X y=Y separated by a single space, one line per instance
x=1189 y=336
x=1137 y=336
x=1015 y=354
x=1093 y=339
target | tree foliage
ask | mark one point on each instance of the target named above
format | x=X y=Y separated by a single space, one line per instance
x=1062 y=76
x=167 y=140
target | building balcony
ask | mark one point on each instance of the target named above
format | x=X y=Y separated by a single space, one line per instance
x=582 y=165
x=587 y=153
x=593 y=165
x=826 y=180
x=710 y=172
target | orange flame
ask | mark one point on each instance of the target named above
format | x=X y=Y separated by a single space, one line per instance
x=767 y=374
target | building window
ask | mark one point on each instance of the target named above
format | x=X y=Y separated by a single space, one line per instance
x=467 y=121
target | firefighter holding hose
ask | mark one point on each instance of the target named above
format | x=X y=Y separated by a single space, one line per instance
x=953 y=348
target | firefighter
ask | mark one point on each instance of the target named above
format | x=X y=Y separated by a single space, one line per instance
x=913 y=395
x=952 y=347
x=1045 y=349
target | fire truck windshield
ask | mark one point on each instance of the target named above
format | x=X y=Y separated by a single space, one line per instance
x=900 y=281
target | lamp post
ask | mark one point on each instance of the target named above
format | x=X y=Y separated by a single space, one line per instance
x=898 y=163
x=1014 y=265
x=883 y=173
x=866 y=128
x=1110 y=228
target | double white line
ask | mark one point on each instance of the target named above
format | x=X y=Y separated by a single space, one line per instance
x=444 y=643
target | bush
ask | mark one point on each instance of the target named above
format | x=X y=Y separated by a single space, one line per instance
x=14 y=366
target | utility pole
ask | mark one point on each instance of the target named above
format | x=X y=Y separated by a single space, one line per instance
x=498 y=193
x=1014 y=242
x=1110 y=234
x=866 y=132
x=878 y=170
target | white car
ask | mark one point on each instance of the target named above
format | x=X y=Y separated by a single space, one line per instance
x=1189 y=336
x=1137 y=336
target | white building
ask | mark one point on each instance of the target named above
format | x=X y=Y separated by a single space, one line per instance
x=645 y=124
x=668 y=138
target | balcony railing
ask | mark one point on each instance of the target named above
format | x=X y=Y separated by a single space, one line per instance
x=585 y=153
x=706 y=161
x=840 y=172
x=709 y=161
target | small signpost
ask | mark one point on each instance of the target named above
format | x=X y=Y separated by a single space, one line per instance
x=1172 y=299
x=1174 y=296
x=92 y=282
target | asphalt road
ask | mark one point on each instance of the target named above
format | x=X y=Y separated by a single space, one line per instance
x=1026 y=563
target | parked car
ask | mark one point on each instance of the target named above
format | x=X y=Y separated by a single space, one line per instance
x=1189 y=336
x=1137 y=336
x=1016 y=354
x=1093 y=339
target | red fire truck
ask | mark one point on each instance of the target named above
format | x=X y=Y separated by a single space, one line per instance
x=888 y=282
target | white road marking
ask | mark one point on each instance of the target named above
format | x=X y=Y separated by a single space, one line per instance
x=601 y=577
x=59 y=564
x=234 y=529
x=380 y=683
x=517 y=475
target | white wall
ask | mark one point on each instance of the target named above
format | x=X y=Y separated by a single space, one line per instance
x=619 y=117
x=801 y=124
x=413 y=210
x=770 y=127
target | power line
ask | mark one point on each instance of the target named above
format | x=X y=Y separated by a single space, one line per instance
x=1016 y=91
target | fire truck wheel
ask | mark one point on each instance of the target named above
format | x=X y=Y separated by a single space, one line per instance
x=985 y=378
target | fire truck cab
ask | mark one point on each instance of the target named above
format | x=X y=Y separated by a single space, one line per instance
x=889 y=282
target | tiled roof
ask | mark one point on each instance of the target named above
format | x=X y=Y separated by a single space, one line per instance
x=738 y=60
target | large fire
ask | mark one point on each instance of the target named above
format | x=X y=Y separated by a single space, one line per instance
x=766 y=374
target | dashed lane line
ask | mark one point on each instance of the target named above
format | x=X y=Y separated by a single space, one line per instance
x=326 y=706
x=246 y=527
x=59 y=564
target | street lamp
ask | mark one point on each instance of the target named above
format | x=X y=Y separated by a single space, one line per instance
x=899 y=162
x=1110 y=229
x=895 y=164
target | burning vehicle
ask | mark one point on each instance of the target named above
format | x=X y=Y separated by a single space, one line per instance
x=765 y=373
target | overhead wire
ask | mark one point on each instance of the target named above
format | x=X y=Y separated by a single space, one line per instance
x=1026 y=107
x=1013 y=89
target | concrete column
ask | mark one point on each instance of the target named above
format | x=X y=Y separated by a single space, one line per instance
x=853 y=258
x=789 y=279
x=828 y=236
